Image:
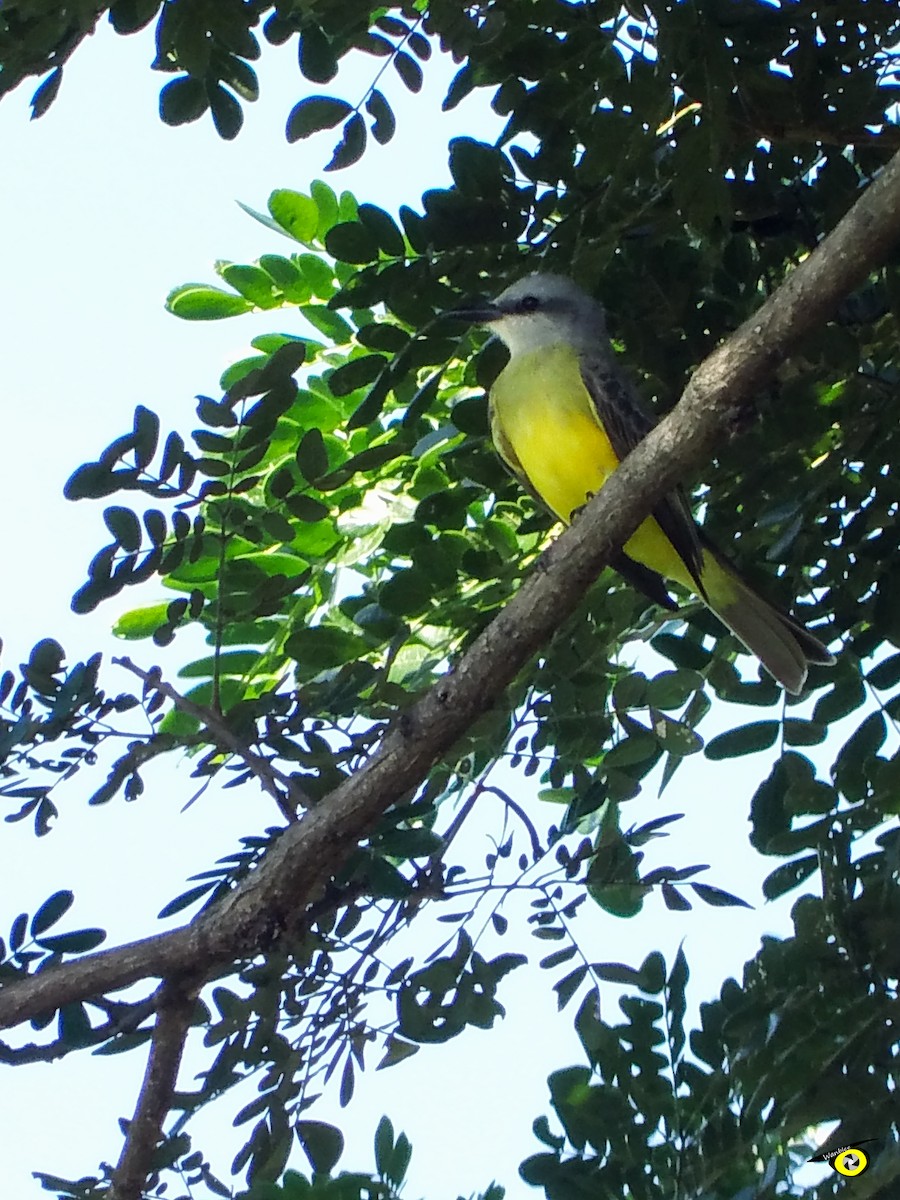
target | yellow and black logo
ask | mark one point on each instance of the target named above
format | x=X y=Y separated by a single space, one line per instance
x=848 y=1161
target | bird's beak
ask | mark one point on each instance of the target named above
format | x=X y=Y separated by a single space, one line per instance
x=477 y=314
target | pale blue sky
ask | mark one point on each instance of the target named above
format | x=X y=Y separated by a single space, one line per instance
x=103 y=210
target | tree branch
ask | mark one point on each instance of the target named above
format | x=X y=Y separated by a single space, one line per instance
x=288 y=801
x=123 y=1018
x=174 y=1006
x=297 y=868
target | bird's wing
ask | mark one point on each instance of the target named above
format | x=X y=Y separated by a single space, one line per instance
x=627 y=422
x=649 y=582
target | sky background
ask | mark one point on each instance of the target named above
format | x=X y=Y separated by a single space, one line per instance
x=103 y=210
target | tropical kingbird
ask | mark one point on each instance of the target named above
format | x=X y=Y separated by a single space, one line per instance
x=564 y=415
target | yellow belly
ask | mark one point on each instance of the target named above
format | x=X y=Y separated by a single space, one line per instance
x=546 y=415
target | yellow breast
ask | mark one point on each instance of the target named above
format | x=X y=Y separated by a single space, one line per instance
x=546 y=415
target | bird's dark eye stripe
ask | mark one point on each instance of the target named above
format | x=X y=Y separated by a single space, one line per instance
x=529 y=304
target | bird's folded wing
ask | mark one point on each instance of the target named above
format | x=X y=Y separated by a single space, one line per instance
x=649 y=582
x=626 y=422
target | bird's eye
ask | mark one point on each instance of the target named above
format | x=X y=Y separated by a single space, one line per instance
x=529 y=304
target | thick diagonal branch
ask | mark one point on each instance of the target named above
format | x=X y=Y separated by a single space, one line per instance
x=296 y=870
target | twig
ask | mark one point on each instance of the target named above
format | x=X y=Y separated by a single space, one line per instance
x=123 y=1018
x=536 y=848
x=288 y=801
x=174 y=1005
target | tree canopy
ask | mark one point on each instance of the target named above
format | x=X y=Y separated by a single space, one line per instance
x=388 y=617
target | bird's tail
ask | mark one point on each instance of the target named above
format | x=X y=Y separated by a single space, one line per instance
x=780 y=643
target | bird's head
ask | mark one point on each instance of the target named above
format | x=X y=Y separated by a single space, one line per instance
x=540 y=310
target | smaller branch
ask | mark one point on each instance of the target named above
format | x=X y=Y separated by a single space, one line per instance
x=537 y=849
x=175 y=1004
x=270 y=778
x=123 y=1018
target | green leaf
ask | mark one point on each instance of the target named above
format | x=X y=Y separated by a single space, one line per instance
x=558 y=957
x=382 y=335
x=352 y=145
x=384 y=122
x=383 y=229
x=477 y=168
x=318 y=62
x=461 y=85
x=53 y=908
x=798 y=732
x=253 y=283
x=392 y=26
x=199 y=302
x=399 y=1163
x=746 y=739
x=74 y=1026
x=631 y=750
x=312 y=456
x=397 y=1051
x=409 y=843
x=407 y=592
x=416 y=228
x=681 y=652
x=295 y=213
x=420 y=46
x=124 y=526
x=371 y=407
x=861 y=747
x=672 y=689
x=322 y=646
x=322 y=1143
x=44 y=661
x=179 y=724
x=408 y=70
x=240 y=77
x=327 y=322
x=357 y=373
x=80 y=941
x=384 y=1146
x=616 y=973
x=653 y=974
x=146 y=435
x=313 y=114
x=717 y=897
x=849 y=694
x=307 y=508
x=227 y=114
x=183 y=100
x=885 y=675
x=327 y=204
x=566 y=987
x=351 y=242
x=90 y=482
x=185 y=900
x=789 y=875
x=45 y=93
x=469 y=415
x=141 y=622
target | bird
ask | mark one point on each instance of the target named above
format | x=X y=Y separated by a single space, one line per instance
x=563 y=415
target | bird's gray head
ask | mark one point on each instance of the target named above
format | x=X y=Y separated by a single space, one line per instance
x=543 y=310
